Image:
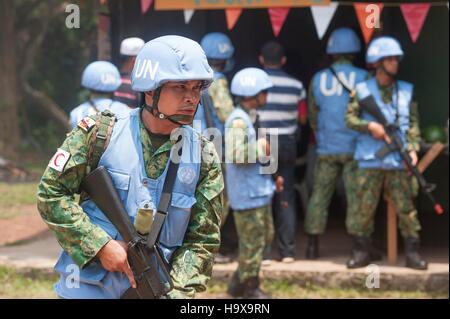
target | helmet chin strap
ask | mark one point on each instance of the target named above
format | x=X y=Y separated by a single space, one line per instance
x=153 y=109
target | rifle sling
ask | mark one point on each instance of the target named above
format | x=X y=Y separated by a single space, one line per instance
x=164 y=203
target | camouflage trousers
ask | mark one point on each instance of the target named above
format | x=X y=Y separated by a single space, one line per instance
x=326 y=172
x=400 y=187
x=255 y=230
x=226 y=202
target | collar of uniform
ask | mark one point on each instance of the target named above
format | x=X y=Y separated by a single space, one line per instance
x=274 y=71
x=146 y=140
x=252 y=113
x=243 y=108
x=341 y=61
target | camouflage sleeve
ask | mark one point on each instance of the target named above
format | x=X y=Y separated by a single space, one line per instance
x=313 y=110
x=56 y=203
x=352 y=117
x=413 y=136
x=237 y=147
x=192 y=263
x=221 y=98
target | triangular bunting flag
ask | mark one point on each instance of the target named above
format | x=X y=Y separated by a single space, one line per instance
x=322 y=16
x=277 y=18
x=369 y=17
x=414 y=15
x=188 y=15
x=232 y=16
x=145 y=5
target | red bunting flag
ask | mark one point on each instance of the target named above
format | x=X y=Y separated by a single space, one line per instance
x=277 y=18
x=414 y=15
x=145 y=5
x=232 y=16
x=368 y=17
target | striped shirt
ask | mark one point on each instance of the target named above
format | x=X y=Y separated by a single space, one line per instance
x=281 y=110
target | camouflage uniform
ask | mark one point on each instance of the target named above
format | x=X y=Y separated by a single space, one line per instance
x=254 y=226
x=255 y=231
x=326 y=172
x=223 y=104
x=191 y=264
x=221 y=98
x=400 y=186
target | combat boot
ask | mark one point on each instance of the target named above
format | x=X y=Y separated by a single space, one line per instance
x=235 y=288
x=360 y=253
x=252 y=290
x=413 y=258
x=312 y=248
x=375 y=254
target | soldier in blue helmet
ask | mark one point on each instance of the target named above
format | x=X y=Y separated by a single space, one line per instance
x=171 y=71
x=250 y=191
x=217 y=103
x=395 y=99
x=129 y=49
x=101 y=78
x=329 y=94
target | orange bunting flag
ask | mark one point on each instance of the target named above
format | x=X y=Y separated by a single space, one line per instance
x=368 y=17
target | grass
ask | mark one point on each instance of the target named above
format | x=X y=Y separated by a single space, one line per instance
x=288 y=290
x=17 y=194
x=39 y=284
x=14 y=197
x=27 y=285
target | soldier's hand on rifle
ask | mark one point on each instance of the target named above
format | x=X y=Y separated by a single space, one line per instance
x=113 y=257
x=414 y=158
x=378 y=132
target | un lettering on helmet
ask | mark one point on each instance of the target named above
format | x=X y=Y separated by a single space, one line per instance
x=108 y=78
x=224 y=47
x=374 y=50
x=248 y=81
x=146 y=68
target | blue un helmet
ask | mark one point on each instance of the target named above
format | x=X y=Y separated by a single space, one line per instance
x=101 y=76
x=249 y=82
x=381 y=48
x=217 y=46
x=343 y=40
x=169 y=58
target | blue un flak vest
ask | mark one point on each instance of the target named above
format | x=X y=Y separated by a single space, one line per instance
x=86 y=109
x=247 y=188
x=333 y=136
x=124 y=160
x=366 y=145
x=201 y=116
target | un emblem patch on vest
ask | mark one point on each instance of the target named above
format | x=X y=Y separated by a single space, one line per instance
x=186 y=175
